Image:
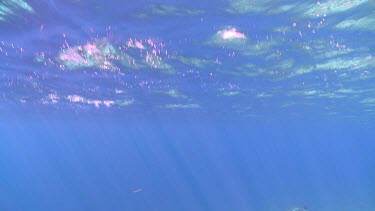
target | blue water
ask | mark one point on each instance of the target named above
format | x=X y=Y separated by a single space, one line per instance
x=240 y=105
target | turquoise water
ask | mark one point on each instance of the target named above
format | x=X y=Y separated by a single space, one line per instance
x=187 y=105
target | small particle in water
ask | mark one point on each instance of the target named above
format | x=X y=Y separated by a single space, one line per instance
x=137 y=190
x=294 y=24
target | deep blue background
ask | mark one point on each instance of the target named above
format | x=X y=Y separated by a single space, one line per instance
x=185 y=164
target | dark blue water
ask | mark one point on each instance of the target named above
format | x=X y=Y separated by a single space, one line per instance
x=187 y=105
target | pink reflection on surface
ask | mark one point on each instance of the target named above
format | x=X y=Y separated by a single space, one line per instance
x=232 y=34
x=75 y=98
x=91 y=49
x=71 y=55
x=96 y=103
x=139 y=45
x=135 y=43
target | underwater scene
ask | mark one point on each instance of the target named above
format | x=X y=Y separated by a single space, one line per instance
x=200 y=105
